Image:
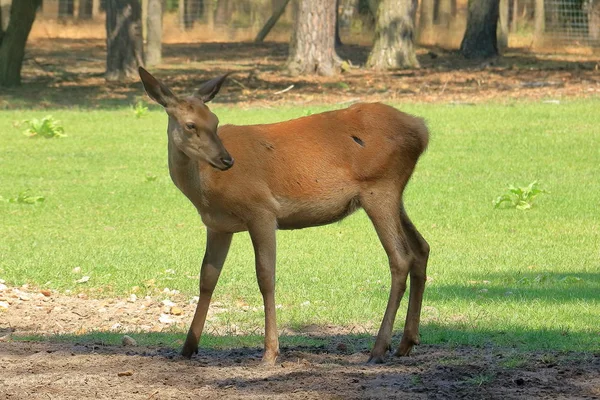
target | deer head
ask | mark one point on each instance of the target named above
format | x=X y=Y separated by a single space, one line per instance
x=192 y=126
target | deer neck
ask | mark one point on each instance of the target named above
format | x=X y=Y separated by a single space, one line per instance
x=185 y=173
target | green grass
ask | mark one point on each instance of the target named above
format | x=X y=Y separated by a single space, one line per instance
x=526 y=279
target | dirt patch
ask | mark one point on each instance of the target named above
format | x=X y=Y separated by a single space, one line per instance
x=335 y=370
x=68 y=72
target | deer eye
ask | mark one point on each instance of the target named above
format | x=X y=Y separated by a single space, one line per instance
x=191 y=126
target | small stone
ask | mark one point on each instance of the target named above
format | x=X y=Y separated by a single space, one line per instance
x=128 y=341
x=46 y=292
x=176 y=311
x=4 y=305
x=24 y=297
x=165 y=319
x=76 y=270
x=132 y=298
x=83 y=279
x=3 y=287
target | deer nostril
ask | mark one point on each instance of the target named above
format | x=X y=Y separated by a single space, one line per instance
x=227 y=161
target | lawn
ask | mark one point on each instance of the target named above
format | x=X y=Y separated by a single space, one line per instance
x=528 y=279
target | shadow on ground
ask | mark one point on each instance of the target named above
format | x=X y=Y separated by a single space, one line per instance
x=334 y=369
x=69 y=73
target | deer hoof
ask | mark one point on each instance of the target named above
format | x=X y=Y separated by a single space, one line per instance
x=376 y=359
x=405 y=347
x=188 y=351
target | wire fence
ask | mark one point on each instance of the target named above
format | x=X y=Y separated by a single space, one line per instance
x=573 y=20
x=438 y=22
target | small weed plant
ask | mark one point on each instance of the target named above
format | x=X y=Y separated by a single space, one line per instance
x=521 y=198
x=24 y=197
x=46 y=127
x=140 y=109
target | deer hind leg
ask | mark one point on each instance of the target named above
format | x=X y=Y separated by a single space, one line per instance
x=217 y=247
x=384 y=214
x=418 y=276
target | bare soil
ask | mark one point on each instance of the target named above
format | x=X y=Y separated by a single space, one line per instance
x=337 y=370
x=69 y=72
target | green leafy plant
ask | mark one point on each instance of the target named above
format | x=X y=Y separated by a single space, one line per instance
x=151 y=177
x=521 y=198
x=24 y=197
x=140 y=109
x=46 y=127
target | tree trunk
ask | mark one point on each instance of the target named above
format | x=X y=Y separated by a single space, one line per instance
x=154 y=35
x=480 y=39
x=540 y=23
x=123 y=39
x=394 y=36
x=271 y=22
x=223 y=13
x=338 y=39
x=210 y=15
x=95 y=8
x=514 y=16
x=312 y=47
x=185 y=16
x=594 y=20
x=503 y=26
x=444 y=14
x=13 y=41
x=425 y=27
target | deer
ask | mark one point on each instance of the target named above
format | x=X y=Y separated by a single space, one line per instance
x=296 y=174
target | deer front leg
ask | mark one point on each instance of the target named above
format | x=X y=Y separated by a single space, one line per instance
x=217 y=247
x=263 y=238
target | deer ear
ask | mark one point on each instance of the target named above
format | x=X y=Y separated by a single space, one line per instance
x=156 y=89
x=209 y=89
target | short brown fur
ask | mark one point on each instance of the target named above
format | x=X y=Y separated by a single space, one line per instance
x=295 y=174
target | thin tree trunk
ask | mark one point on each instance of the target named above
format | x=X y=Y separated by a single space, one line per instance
x=271 y=22
x=444 y=13
x=514 y=24
x=123 y=39
x=312 y=47
x=425 y=27
x=540 y=23
x=76 y=9
x=154 y=35
x=503 y=26
x=594 y=20
x=210 y=15
x=95 y=8
x=394 y=45
x=223 y=12
x=480 y=40
x=13 y=41
x=338 y=39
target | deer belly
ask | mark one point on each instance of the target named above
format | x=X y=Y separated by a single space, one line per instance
x=297 y=214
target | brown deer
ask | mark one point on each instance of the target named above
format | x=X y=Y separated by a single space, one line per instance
x=305 y=172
